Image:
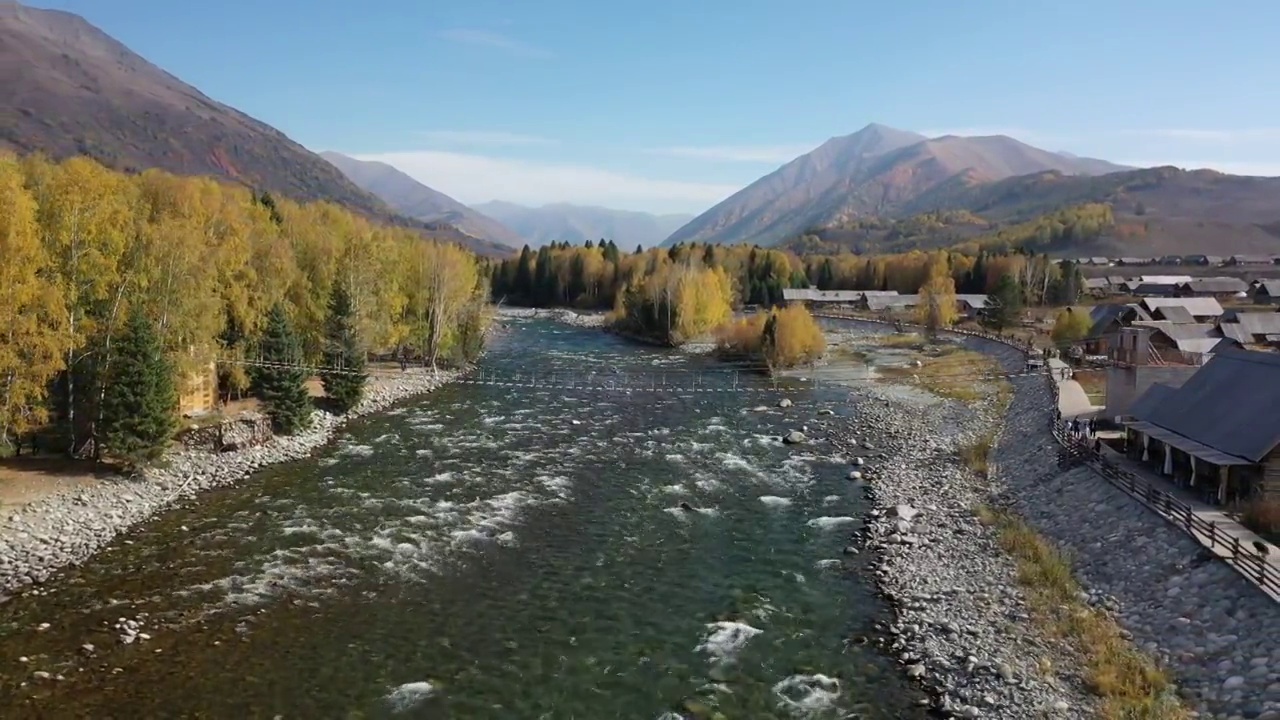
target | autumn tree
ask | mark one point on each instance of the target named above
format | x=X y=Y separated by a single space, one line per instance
x=33 y=336
x=937 y=305
x=344 y=354
x=1071 y=325
x=139 y=412
x=792 y=337
x=280 y=380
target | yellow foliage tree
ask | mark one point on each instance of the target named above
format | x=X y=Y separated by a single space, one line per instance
x=792 y=337
x=32 y=313
x=937 y=305
x=1071 y=325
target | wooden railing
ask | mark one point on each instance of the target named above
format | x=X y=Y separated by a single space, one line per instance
x=1247 y=560
x=1244 y=558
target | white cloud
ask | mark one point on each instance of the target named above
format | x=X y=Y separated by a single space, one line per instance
x=497 y=41
x=482 y=137
x=1261 y=168
x=764 y=154
x=1239 y=135
x=478 y=178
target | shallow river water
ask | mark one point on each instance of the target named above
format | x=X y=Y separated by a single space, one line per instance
x=491 y=552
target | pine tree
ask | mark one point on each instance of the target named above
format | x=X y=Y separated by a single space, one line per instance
x=279 y=383
x=344 y=387
x=1006 y=308
x=140 y=399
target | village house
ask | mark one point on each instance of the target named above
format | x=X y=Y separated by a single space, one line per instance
x=1266 y=292
x=1202 y=309
x=1249 y=260
x=1097 y=286
x=971 y=306
x=1202 y=260
x=1107 y=322
x=1170 y=260
x=1135 y=261
x=1260 y=329
x=1218 y=433
x=1149 y=289
x=1217 y=287
x=1185 y=341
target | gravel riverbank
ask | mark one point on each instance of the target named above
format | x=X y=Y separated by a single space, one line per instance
x=66 y=528
x=963 y=627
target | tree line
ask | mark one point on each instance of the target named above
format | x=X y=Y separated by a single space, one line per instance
x=116 y=290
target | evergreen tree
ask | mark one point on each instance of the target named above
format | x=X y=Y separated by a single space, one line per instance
x=279 y=383
x=344 y=387
x=140 y=398
x=1006 y=306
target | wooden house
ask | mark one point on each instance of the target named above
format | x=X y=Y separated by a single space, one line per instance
x=1219 y=433
x=1219 y=287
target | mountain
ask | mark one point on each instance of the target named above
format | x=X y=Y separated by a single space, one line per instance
x=1155 y=211
x=576 y=224
x=876 y=171
x=413 y=199
x=67 y=88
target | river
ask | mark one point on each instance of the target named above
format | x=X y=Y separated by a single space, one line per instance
x=490 y=552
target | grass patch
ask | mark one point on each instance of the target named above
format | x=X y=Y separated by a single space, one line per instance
x=1129 y=684
x=956 y=373
x=901 y=340
x=977 y=454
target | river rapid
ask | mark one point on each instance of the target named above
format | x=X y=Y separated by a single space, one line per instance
x=491 y=552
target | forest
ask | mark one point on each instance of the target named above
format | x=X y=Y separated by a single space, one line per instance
x=140 y=282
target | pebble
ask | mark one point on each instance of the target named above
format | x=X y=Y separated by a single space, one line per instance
x=66 y=528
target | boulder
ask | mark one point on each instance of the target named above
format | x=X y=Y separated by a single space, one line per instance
x=795 y=437
x=785 y=403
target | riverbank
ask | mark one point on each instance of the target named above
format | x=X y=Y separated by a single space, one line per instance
x=67 y=527
x=963 y=625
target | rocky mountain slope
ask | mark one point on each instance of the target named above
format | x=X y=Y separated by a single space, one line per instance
x=67 y=88
x=413 y=199
x=877 y=171
x=576 y=224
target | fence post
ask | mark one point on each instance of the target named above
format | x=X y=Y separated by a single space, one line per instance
x=1213 y=533
x=1235 y=546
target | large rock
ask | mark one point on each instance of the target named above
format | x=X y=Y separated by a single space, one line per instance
x=795 y=437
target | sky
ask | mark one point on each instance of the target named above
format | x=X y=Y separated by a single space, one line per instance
x=670 y=106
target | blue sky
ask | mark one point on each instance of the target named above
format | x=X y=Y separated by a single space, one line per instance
x=671 y=105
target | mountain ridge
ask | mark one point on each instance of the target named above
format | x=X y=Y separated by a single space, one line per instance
x=874 y=171
x=71 y=89
x=413 y=199
x=575 y=224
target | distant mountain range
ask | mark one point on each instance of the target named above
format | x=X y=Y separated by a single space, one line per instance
x=413 y=199
x=877 y=171
x=67 y=88
x=882 y=178
x=576 y=224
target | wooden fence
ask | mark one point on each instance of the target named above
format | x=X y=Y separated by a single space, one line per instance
x=1249 y=561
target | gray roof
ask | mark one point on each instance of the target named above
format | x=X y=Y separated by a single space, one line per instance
x=975 y=301
x=1269 y=288
x=1253 y=259
x=884 y=302
x=1160 y=289
x=822 y=295
x=1199 y=307
x=1247 y=327
x=1148 y=401
x=1229 y=405
x=1096 y=283
x=1175 y=314
x=1216 y=285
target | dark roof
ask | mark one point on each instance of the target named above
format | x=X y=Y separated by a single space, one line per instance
x=1103 y=315
x=1229 y=405
x=1148 y=401
x=1270 y=288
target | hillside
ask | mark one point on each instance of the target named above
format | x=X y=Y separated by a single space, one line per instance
x=576 y=224
x=1154 y=211
x=877 y=171
x=67 y=88
x=412 y=199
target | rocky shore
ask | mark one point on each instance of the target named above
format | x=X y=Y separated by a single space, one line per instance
x=66 y=528
x=963 y=629
x=563 y=316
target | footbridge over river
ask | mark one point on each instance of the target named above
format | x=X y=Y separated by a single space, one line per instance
x=742 y=379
